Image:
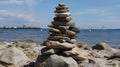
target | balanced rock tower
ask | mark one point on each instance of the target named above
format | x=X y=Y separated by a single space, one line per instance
x=61 y=47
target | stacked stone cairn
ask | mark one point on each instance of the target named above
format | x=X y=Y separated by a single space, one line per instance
x=62 y=38
x=62 y=35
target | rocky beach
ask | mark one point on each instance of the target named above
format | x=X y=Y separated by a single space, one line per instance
x=25 y=54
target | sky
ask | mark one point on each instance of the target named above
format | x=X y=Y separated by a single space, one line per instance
x=95 y=14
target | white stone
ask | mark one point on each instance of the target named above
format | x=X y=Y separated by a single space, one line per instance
x=66 y=14
x=13 y=56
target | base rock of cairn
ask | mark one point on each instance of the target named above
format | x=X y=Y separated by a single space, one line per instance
x=61 y=46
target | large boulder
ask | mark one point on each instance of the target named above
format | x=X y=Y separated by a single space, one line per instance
x=102 y=46
x=13 y=56
x=56 y=44
x=55 y=61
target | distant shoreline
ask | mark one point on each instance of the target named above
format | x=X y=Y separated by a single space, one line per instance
x=20 y=28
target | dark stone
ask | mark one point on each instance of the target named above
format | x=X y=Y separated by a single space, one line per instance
x=102 y=46
x=48 y=51
x=61 y=4
x=62 y=19
x=31 y=64
x=61 y=8
x=61 y=11
x=58 y=38
x=75 y=29
x=63 y=23
x=73 y=36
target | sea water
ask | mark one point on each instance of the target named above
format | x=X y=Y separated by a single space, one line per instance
x=91 y=37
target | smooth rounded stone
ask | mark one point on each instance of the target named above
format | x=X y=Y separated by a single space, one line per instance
x=75 y=29
x=74 y=52
x=61 y=8
x=62 y=19
x=70 y=33
x=73 y=41
x=63 y=23
x=54 y=30
x=83 y=55
x=102 y=46
x=56 y=44
x=57 y=38
x=61 y=11
x=47 y=51
x=14 y=56
x=55 y=61
x=65 y=14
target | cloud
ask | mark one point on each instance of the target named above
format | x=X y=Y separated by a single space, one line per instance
x=111 y=19
x=30 y=2
x=23 y=16
x=8 y=2
x=94 y=11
